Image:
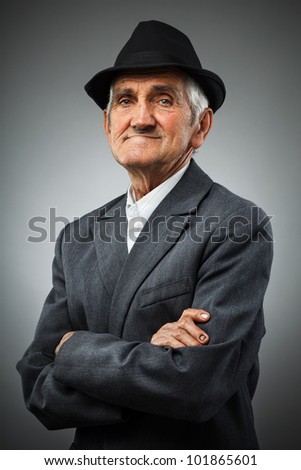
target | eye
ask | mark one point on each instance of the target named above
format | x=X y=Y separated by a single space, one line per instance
x=165 y=102
x=124 y=102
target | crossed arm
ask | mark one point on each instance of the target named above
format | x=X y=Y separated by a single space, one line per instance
x=181 y=333
x=60 y=405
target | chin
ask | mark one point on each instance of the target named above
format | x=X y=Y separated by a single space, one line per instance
x=135 y=161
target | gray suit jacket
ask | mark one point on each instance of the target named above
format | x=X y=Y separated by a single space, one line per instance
x=203 y=247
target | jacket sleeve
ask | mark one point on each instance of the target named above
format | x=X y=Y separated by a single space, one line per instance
x=54 y=403
x=189 y=383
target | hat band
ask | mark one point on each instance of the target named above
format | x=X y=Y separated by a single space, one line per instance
x=154 y=58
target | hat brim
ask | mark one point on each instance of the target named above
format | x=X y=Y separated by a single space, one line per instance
x=98 y=88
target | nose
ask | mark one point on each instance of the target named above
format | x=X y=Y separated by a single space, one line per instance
x=142 y=117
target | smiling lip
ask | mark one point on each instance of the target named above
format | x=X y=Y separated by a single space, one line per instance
x=142 y=135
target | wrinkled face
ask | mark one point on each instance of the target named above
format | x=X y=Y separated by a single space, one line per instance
x=149 y=122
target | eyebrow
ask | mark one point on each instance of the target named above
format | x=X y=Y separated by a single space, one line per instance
x=122 y=91
x=155 y=88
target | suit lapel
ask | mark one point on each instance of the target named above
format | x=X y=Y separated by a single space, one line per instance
x=167 y=223
x=111 y=243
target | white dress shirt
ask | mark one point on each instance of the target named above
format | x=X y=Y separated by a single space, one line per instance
x=138 y=212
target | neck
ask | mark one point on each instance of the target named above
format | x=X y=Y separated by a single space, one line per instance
x=145 y=180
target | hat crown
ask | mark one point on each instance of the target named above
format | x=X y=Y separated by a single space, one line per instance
x=157 y=45
x=152 y=41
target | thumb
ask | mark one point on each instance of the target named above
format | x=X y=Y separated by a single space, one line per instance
x=198 y=314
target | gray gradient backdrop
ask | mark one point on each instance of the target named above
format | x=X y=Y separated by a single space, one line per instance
x=55 y=155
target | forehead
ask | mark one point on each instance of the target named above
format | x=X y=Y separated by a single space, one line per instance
x=148 y=79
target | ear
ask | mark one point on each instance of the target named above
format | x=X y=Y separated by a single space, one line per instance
x=106 y=122
x=203 y=127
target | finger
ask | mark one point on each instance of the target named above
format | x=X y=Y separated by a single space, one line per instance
x=64 y=338
x=197 y=314
x=187 y=324
x=163 y=341
x=204 y=337
x=184 y=337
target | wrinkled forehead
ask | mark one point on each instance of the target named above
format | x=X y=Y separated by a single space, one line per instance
x=168 y=76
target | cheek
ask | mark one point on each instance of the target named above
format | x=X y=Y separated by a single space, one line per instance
x=117 y=130
x=111 y=136
x=182 y=131
x=177 y=125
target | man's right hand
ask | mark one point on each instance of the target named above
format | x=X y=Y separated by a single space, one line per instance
x=183 y=332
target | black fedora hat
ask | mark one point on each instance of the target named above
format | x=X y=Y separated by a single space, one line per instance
x=154 y=44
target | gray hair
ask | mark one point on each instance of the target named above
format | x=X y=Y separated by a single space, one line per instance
x=198 y=101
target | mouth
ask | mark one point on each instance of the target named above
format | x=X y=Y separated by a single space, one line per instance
x=142 y=135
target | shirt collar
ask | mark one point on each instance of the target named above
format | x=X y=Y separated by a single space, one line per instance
x=148 y=203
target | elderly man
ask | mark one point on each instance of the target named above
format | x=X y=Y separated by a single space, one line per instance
x=149 y=338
